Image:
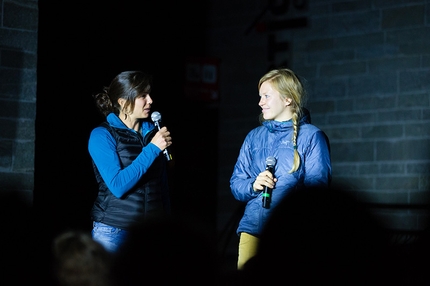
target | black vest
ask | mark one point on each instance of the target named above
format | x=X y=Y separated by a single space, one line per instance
x=146 y=199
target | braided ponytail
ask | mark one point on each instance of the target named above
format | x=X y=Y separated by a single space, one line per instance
x=295 y=119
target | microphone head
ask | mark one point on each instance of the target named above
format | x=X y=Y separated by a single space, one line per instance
x=270 y=161
x=156 y=116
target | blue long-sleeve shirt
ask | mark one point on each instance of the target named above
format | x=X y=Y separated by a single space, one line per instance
x=102 y=149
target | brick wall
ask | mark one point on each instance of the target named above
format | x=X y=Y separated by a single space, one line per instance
x=367 y=71
x=18 y=83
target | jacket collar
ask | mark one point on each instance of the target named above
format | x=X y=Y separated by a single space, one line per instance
x=114 y=121
x=274 y=125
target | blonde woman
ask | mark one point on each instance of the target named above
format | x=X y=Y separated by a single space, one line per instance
x=300 y=151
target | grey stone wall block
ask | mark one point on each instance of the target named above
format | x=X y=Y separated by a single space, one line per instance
x=20 y=16
x=401 y=17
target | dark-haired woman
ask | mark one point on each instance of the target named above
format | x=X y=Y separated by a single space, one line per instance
x=129 y=166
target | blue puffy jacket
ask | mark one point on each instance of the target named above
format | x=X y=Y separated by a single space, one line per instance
x=274 y=138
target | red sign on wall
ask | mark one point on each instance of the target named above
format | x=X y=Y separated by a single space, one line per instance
x=202 y=79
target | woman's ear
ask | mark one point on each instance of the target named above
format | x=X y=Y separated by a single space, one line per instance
x=121 y=102
x=288 y=101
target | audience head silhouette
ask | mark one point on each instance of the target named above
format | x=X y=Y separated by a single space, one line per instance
x=80 y=260
x=172 y=251
x=324 y=236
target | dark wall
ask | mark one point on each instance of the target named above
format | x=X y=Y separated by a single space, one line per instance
x=80 y=49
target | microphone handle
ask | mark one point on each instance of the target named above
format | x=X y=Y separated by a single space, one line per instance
x=165 y=151
x=267 y=192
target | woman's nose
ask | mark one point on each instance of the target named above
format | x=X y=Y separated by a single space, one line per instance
x=149 y=99
x=262 y=101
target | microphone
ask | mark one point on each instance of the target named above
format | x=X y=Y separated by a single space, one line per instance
x=156 y=117
x=267 y=192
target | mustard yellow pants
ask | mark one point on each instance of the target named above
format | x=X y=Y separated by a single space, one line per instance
x=247 y=248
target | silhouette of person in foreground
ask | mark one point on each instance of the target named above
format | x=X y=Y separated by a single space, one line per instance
x=168 y=251
x=18 y=241
x=320 y=236
x=80 y=260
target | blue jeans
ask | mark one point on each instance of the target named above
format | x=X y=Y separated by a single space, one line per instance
x=108 y=236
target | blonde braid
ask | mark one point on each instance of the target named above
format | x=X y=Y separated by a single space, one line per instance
x=296 y=163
